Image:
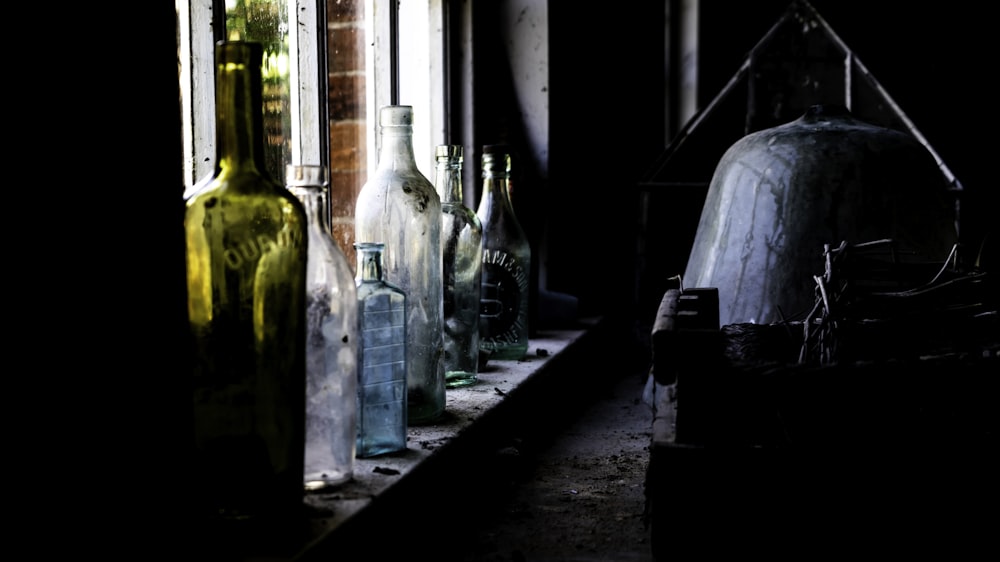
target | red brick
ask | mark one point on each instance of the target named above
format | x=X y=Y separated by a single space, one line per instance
x=343 y=235
x=347 y=98
x=347 y=146
x=345 y=49
x=344 y=11
x=344 y=189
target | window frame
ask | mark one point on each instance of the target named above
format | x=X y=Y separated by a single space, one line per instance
x=404 y=64
x=309 y=137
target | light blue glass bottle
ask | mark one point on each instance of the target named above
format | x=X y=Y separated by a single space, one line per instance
x=331 y=340
x=382 y=313
x=462 y=260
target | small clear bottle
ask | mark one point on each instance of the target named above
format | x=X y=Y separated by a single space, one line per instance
x=462 y=260
x=332 y=339
x=504 y=298
x=399 y=207
x=246 y=253
x=382 y=381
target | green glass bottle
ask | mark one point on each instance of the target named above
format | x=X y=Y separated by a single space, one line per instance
x=246 y=254
x=504 y=299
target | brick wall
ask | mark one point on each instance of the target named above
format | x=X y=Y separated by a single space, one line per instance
x=346 y=71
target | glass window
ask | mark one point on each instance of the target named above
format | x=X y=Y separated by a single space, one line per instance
x=294 y=116
x=329 y=65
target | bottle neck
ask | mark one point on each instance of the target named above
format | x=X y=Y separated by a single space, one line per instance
x=314 y=200
x=448 y=180
x=396 y=150
x=239 y=110
x=496 y=177
x=496 y=186
x=369 y=264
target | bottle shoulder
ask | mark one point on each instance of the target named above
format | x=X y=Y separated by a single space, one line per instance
x=502 y=230
x=366 y=289
x=499 y=218
x=329 y=256
x=245 y=187
x=462 y=214
x=514 y=246
x=386 y=190
x=400 y=176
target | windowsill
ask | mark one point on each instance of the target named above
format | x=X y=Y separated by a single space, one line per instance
x=402 y=489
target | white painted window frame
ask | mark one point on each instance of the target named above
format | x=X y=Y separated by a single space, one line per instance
x=417 y=78
x=412 y=74
x=196 y=52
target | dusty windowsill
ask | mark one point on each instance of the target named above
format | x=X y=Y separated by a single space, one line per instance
x=418 y=481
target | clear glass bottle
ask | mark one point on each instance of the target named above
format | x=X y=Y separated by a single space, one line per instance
x=332 y=340
x=504 y=299
x=381 y=394
x=399 y=207
x=246 y=252
x=462 y=262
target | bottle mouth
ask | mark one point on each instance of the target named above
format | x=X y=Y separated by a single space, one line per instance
x=396 y=116
x=448 y=151
x=496 y=162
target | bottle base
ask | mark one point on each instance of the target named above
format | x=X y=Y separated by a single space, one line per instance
x=512 y=353
x=378 y=450
x=325 y=481
x=458 y=379
x=422 y=410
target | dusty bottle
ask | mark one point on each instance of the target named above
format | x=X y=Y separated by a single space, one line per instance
x=331 y=340
x=504 y=297
x=382 y=379
x=399 y=207
x=246 y=250
x=462 y=262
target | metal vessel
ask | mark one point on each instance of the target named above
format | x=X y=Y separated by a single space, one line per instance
x=778 y=195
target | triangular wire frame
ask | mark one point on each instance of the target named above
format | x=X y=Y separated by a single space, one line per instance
x=798 y=63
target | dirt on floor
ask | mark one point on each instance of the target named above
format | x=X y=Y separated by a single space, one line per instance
x=579 y=497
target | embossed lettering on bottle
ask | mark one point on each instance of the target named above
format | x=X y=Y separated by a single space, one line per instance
x=503 y=307
x=246 y=258
x=382 y=392
x=504 y=280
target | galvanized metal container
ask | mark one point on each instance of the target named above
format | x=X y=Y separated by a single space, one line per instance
x=779 y=195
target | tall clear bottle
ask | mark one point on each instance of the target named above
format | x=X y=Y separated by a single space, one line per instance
x=382 y=385
x=462 y=261
x=399 y=207
x=504 y=299
x=332 y=339
x=246 y=253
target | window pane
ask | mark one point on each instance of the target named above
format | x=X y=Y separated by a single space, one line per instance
x=421 y=83
x=326 y=73
x=266 y=22
x=295 y=126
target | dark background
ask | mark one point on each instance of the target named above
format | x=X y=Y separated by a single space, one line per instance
x=608 y=99
x=120 y=287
